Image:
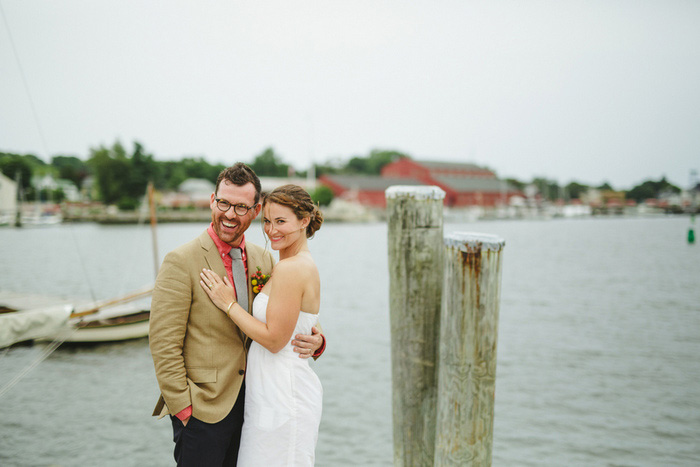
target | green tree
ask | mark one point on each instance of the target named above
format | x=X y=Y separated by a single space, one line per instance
x=34 y=161
x=142 y=170
x=378 y=158
x=38 y=166
x=122 y=178
x=665 y=186
x=517 y=184
x=111 y=167
x=55 y=196
x=322 y=195
x=174 y=173
x=200 y=168
x=357 y=165
x=575 y=190
x=269 y=164
x=639 y=193
x=71 y=168
x=373 y=163
x=15 y=166
x=170 y=174
x=549 y=189
x=330 y=167
x=651 y=189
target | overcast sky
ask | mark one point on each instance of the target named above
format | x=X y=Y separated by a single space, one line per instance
x=590 y=91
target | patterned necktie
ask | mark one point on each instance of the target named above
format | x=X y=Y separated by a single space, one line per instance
x=239 y=279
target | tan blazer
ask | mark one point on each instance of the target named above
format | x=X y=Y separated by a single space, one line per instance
x=199 y=354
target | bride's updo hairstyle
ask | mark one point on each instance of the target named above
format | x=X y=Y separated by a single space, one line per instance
x=299 y=201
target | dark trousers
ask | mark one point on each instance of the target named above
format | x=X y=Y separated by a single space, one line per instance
x=209 y=444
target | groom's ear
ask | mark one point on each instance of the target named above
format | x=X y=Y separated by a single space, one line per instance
x=258 y=208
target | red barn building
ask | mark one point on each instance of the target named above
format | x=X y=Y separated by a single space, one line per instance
x=425 y=170
x=464 y=184
x=367 y=190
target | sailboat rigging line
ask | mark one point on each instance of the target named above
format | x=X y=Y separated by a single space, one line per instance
x=37 y=122
x=82 y=265
x=24 y=81
x=56 y=343
x=140 y=247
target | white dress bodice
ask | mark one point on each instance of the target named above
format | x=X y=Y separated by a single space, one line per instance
x=283 y=401
x=304 y=323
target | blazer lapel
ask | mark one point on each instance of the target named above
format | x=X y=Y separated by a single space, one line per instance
x=211 y=255
x=214 y=262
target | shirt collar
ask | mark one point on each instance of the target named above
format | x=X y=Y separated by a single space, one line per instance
x=223 y=247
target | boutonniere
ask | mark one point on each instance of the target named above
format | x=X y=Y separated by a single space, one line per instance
x=258 y=280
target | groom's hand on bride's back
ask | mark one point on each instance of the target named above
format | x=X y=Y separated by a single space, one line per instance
x=308 y=346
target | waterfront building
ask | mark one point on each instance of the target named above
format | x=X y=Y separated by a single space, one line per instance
x=191 y=193
x=465 y=184
x=50 y=184
x=8 y=199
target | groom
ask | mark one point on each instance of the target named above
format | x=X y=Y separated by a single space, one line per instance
x=199 y=354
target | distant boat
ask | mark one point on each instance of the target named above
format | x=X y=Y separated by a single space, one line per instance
x=40 y=218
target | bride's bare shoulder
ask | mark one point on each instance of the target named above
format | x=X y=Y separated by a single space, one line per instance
x=297 y=265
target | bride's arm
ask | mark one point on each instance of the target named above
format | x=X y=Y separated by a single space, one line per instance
x=282 y=309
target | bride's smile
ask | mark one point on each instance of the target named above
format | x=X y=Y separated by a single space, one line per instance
x=283 y=228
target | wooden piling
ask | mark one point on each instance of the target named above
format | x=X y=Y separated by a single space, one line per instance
x=416 y=249
x=467 y=358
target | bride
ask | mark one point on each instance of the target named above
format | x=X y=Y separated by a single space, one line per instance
x=283 y=395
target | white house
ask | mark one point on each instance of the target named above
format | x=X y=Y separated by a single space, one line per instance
x=8 y=198
x=49 y=183
x=192 y=192
x=270 y=183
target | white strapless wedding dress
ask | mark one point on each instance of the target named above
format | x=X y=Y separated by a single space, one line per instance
x=283 y=399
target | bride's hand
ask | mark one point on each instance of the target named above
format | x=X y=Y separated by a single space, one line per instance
x=219 y=291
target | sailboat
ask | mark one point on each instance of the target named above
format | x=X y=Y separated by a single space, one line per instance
x=28 y=318
x=39 y=318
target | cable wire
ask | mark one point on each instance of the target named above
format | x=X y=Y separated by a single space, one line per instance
x=56 y=343
x=24 y=81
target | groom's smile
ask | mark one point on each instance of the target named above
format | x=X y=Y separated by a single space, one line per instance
x=228 y=225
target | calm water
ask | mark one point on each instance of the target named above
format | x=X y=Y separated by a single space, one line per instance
x=598 y=357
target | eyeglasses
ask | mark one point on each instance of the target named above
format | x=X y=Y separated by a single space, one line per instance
x=239 y=209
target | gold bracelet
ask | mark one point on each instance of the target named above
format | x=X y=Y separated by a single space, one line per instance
x=228 y=310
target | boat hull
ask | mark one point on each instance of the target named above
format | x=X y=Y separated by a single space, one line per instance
x=121 y=328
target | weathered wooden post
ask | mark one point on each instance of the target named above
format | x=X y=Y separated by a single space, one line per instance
x=467 y=360
x=415 y=283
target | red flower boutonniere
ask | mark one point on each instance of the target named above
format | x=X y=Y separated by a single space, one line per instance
x=258 y=280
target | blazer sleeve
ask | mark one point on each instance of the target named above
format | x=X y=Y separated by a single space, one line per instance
x=170 y=309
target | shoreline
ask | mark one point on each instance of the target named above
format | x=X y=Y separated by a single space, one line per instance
x=337 y=212
x=126 y=218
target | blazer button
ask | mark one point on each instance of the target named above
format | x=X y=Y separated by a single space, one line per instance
x=241 y=372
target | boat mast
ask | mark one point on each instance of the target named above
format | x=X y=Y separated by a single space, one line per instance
x=154 y=235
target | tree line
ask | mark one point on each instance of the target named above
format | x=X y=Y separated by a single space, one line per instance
x=552 y=191
x=120 y=176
